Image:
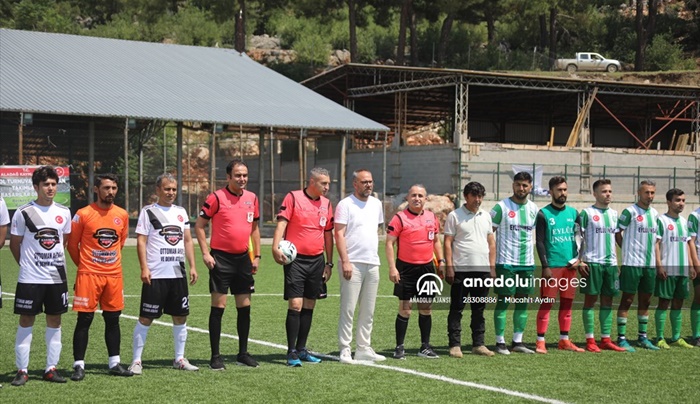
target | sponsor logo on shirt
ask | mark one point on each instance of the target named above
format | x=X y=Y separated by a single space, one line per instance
x=106 y=237
x=47 y=238
x=172 y=234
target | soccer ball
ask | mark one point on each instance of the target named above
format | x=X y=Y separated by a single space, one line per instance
x=288 y=249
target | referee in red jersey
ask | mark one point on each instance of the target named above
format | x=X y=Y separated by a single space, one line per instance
x=234 y=215
x=305 y=218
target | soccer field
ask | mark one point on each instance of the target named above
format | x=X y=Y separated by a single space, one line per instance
x=644 y=376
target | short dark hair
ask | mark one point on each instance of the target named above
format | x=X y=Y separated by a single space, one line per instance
x=233 y=163
x=556 y=180
x=601 y=182
x=523 y=176
x=106 y=176
x=474 y=188
x=673 y=192
x=44 y=173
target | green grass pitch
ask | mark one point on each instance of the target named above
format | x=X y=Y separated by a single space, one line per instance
x=668 y=376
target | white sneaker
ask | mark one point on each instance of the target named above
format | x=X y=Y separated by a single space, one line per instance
x=346 y=356
x=184 y=364
x=368 y=354
x=136 y=368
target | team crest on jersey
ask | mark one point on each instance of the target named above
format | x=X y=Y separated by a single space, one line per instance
x=106 y=237
x=172 y=234
x=596 y=218
x=47 y=238
x=511 y=214
x=59 y=219
x=250 y=217
x=640 y=218
x=180 y=218
x=670 y=227
x=117 y=221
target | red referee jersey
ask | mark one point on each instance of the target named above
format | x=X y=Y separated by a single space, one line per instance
x=308 y=219
x=416 y=235
x=232 y=218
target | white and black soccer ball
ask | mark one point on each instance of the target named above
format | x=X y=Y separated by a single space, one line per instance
x=288 y=249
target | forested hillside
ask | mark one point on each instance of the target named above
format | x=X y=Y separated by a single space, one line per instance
x=475 y=34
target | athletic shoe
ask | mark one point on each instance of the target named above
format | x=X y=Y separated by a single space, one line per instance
x=78 y=373
x=696 y=341
x=368 y=354
x=501 y=349
x=306 y=356
x=567 y=345
x=346 y=356
x=521 y=348
x=217 y=363
x=399 y=352
x=623 y=343
x=184 y=364
x=591 y=346
x=482 y=350
x=645 y=343
x=680 y=342
x=608 y=345
x=293 y=359
x=456 y=352
x=662 y=344
x=540 y=347
x=20 y=378
x=426 y=351
x=136 y=368
x=245 y=359
x=118 y=370
x=53 y=376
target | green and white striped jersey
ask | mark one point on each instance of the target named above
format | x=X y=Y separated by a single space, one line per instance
x=515 y=230
x=694 y=228
x=599 y=227
x=640 y=227
x=674 y=237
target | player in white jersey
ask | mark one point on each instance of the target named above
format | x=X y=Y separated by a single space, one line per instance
x=693 y=230
x=673 y=267
x=599 y=225
x=164 y=242
x=637 y=225
x=4 y=221
x=40 y=229
x=514 y=224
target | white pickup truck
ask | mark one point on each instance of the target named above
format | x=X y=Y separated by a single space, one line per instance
x=588 y=61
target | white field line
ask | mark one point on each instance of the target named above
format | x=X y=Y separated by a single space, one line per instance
x=426 y=375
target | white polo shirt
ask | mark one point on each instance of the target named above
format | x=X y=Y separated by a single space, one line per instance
x=470 y=248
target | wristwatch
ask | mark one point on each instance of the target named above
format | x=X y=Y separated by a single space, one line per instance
x=258 y=256
x=329 y=264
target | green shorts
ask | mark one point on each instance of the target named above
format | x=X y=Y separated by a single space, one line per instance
x=637 y=279
x=525 y=275
x=696 y=282
x=673 y=287
x=601 y=280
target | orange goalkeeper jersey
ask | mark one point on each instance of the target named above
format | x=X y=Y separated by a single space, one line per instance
x=97 y=238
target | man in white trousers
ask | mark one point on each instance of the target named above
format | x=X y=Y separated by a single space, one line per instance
x=357 y=218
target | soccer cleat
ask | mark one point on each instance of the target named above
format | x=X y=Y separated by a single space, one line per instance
x=608 y=345
x=696 y=341
x=567 y=345
x=456 y=352
x=645 y=343
x=306 y=356
x=53 y=376
x=78 y=373
x=591 y=346
x=502 y=349
x=293 y=359
x=246 y=359
x=184 y=364
x=681 y=343
x=368 y=354
x=521 y=348
x=482 y=351
x=623 y=343
x=346 y=356
x=399 y=352
x=426 y=351
x=20 y=378
x=217 y=363
x=662 y=344
x=118 y=370
x=136 y=368
x=540 y=347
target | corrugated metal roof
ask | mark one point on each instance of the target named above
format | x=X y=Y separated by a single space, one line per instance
x=82 y=75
